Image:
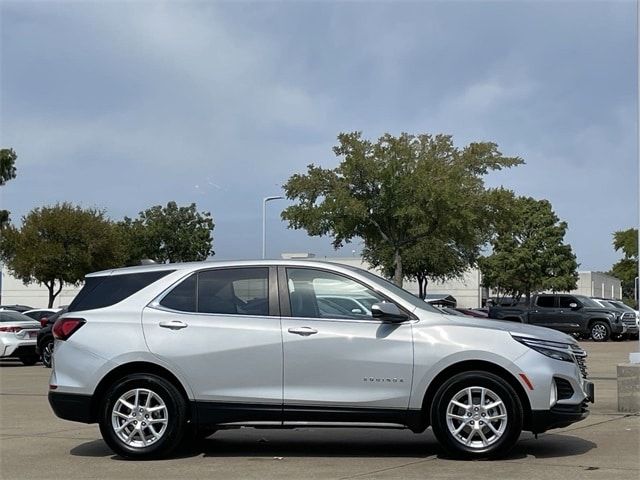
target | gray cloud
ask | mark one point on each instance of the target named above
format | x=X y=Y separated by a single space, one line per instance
x=123 y=105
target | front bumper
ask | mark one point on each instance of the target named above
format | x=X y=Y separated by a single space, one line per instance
x=619 y=328
x=561 y=414
x=71 y=406
x=558 y=416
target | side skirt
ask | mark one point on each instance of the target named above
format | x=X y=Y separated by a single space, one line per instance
x=279 y=416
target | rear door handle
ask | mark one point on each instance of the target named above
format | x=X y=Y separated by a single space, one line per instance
x=173 y=325
x=304 y=331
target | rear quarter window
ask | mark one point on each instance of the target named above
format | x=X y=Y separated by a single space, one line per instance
x=104 y=291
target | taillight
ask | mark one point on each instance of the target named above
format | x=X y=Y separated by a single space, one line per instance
x=65 y=327
x=11 y=329
x=43 y=322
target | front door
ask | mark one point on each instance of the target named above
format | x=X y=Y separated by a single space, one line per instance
x=221 y=329
x=569 y=318
x=341 y=364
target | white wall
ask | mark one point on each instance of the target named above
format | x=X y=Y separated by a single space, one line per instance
x=13 y=291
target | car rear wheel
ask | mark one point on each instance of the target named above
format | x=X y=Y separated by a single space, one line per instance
x=476 y=415
x=47 y=352
x=143 y=416
x=600 y=331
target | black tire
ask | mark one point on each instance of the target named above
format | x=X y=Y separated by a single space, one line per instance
x=619 y=337
x=29 y=360
x=512 y=405
x=176 y=412
x=47 y=351
x=634 y=336
x=600 y=331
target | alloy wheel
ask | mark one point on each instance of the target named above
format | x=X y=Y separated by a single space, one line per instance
x=47 y=353
x=139 y=418
x=598 y=332
x=476 y=417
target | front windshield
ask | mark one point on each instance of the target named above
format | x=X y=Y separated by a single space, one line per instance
x=623 y=306
x=393 y=288
x=588 y=302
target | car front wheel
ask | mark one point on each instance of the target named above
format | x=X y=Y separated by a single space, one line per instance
x=143 y=416
x=600 y=331
x=476 y=415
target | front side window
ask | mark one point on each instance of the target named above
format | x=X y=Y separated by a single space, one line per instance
x=565 y=302
x=545 y=301
x=320 y=294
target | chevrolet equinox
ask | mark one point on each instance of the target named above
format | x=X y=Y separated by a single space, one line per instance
x=161 y=354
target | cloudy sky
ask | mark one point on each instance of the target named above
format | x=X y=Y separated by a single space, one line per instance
x=124 y=105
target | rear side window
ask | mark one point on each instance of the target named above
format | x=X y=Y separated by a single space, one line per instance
x=183 y=297
x=104 y=291
x=239 y=291
x=546 y=301
x=232 y=291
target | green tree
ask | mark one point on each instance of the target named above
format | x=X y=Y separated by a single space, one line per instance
x=626 y=269
x=59 y=245
x=395 y=193
x=7 y=172
x=168 y=234
x=529 y=254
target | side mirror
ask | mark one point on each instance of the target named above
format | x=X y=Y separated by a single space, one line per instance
x=574 y=306
x=389 y=312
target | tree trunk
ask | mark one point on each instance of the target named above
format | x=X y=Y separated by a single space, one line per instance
x=422 y=286
x=397 y=261
x=52 y=294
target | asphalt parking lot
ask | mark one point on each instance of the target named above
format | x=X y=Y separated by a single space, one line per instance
x=36 y=444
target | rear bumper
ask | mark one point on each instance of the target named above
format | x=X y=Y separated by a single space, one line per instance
x=71 y=406
x=18 y=350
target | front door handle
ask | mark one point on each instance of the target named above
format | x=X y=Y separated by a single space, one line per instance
x=304 y=331
x=173 y=325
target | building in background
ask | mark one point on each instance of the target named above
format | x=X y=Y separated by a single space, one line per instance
x=467 y=290
x=13 y=291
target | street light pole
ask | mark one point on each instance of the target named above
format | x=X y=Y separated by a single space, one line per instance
x=264 y=222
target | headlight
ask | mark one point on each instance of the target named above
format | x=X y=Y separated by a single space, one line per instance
x=556 y=350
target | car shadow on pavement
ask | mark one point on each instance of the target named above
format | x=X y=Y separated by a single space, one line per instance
x=351 y=445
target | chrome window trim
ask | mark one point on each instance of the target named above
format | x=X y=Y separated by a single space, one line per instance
x=155 y=303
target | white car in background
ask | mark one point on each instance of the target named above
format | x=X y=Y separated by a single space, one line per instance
x=18 y=334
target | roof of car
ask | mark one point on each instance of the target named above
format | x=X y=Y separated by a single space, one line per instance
x=220 y=263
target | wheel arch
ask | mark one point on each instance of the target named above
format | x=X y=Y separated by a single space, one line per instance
x=130 y=368
x=598 y=319
x=466 y=366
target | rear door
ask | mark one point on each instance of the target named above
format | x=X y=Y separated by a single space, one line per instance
x=544 y=311
x=221 y=329
x=340 y=366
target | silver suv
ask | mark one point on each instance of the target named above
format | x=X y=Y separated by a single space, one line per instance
x=161 y=354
